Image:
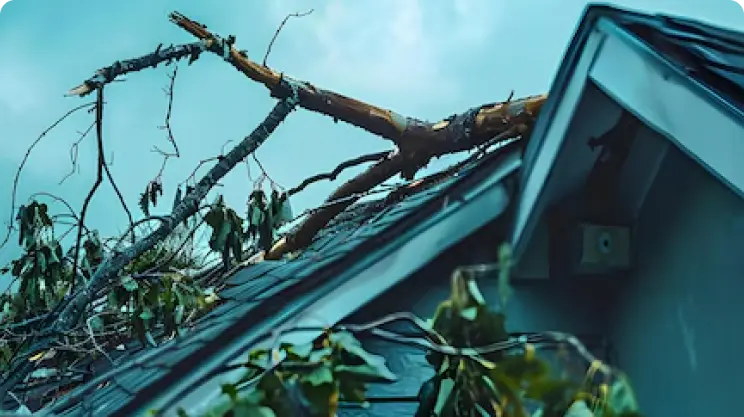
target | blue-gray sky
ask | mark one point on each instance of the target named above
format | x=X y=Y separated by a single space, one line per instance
x=424 y=58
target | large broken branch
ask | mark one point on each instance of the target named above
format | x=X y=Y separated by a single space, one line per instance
x=107 y=272
x=417 y=140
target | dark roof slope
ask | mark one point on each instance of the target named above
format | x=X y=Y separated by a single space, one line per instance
x=259 y=297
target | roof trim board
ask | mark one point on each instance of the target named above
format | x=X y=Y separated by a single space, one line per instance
x=549 y=134
x=589 y=58
x=369 y=277
x=673 y=104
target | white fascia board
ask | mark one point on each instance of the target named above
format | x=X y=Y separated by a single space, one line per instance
x=528 y=208
x=456 y=220
x=691 y=116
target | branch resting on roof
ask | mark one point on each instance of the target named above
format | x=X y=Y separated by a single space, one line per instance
x=418 y=141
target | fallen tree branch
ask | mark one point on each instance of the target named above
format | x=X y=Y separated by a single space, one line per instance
x=337 y=171
x=106 y=275
x=418 y=140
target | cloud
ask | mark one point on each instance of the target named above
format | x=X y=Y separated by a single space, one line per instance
x=396 y=49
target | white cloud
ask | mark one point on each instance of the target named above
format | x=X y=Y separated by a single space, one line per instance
x=397 y=49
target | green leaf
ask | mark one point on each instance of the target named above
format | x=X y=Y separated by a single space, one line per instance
x=469 y=313
x=621 y=397
x=129 y=283
x=231 y=391
x=366 y=372
x=321 y=375
x=150 y=339
x=446 y=387
x=96 y=323
x=178 y=314
x=146 y=314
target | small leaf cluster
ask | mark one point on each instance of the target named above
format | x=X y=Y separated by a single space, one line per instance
x=307 y=380
x=263 y=218
x=163 y=304
x=40 y=269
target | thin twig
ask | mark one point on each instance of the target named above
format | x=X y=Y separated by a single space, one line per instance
x=96 y=184
x=374 y=157
x=167 y=125
x=118 y=193
x=279 y=29
x=264 y=173
x=23 y=163
x=74 y=152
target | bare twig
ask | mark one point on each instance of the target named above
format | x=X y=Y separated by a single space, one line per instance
x=167 y=125
x=340 y=168
x=118 y=193
x=74 y=152
x=279 y=29
x=96 y=184
x=23 y=163
x=264 y=173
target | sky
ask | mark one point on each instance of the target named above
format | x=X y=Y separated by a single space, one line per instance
x=423 y=58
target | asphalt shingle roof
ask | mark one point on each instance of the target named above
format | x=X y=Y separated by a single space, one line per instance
x=249 y=293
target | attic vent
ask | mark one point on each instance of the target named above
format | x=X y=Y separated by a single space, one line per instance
x=590 y=249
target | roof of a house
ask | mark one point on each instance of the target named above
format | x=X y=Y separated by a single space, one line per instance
x=362 y=240
x=263 y=296
x=663 y=70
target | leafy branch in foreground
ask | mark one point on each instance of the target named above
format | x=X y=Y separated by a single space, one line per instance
x=508 y=383
x=110 y=268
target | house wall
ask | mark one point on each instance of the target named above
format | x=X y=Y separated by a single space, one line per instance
x=677 y=327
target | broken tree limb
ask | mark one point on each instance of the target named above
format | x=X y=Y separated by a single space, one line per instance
x=306 y=231
x=107 y=272
x=108 y=74
x=417 y=140
x=385 y=169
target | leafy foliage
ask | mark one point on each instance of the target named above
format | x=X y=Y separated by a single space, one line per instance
x=305 y=380
x=507 y=383
x=151 y=301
